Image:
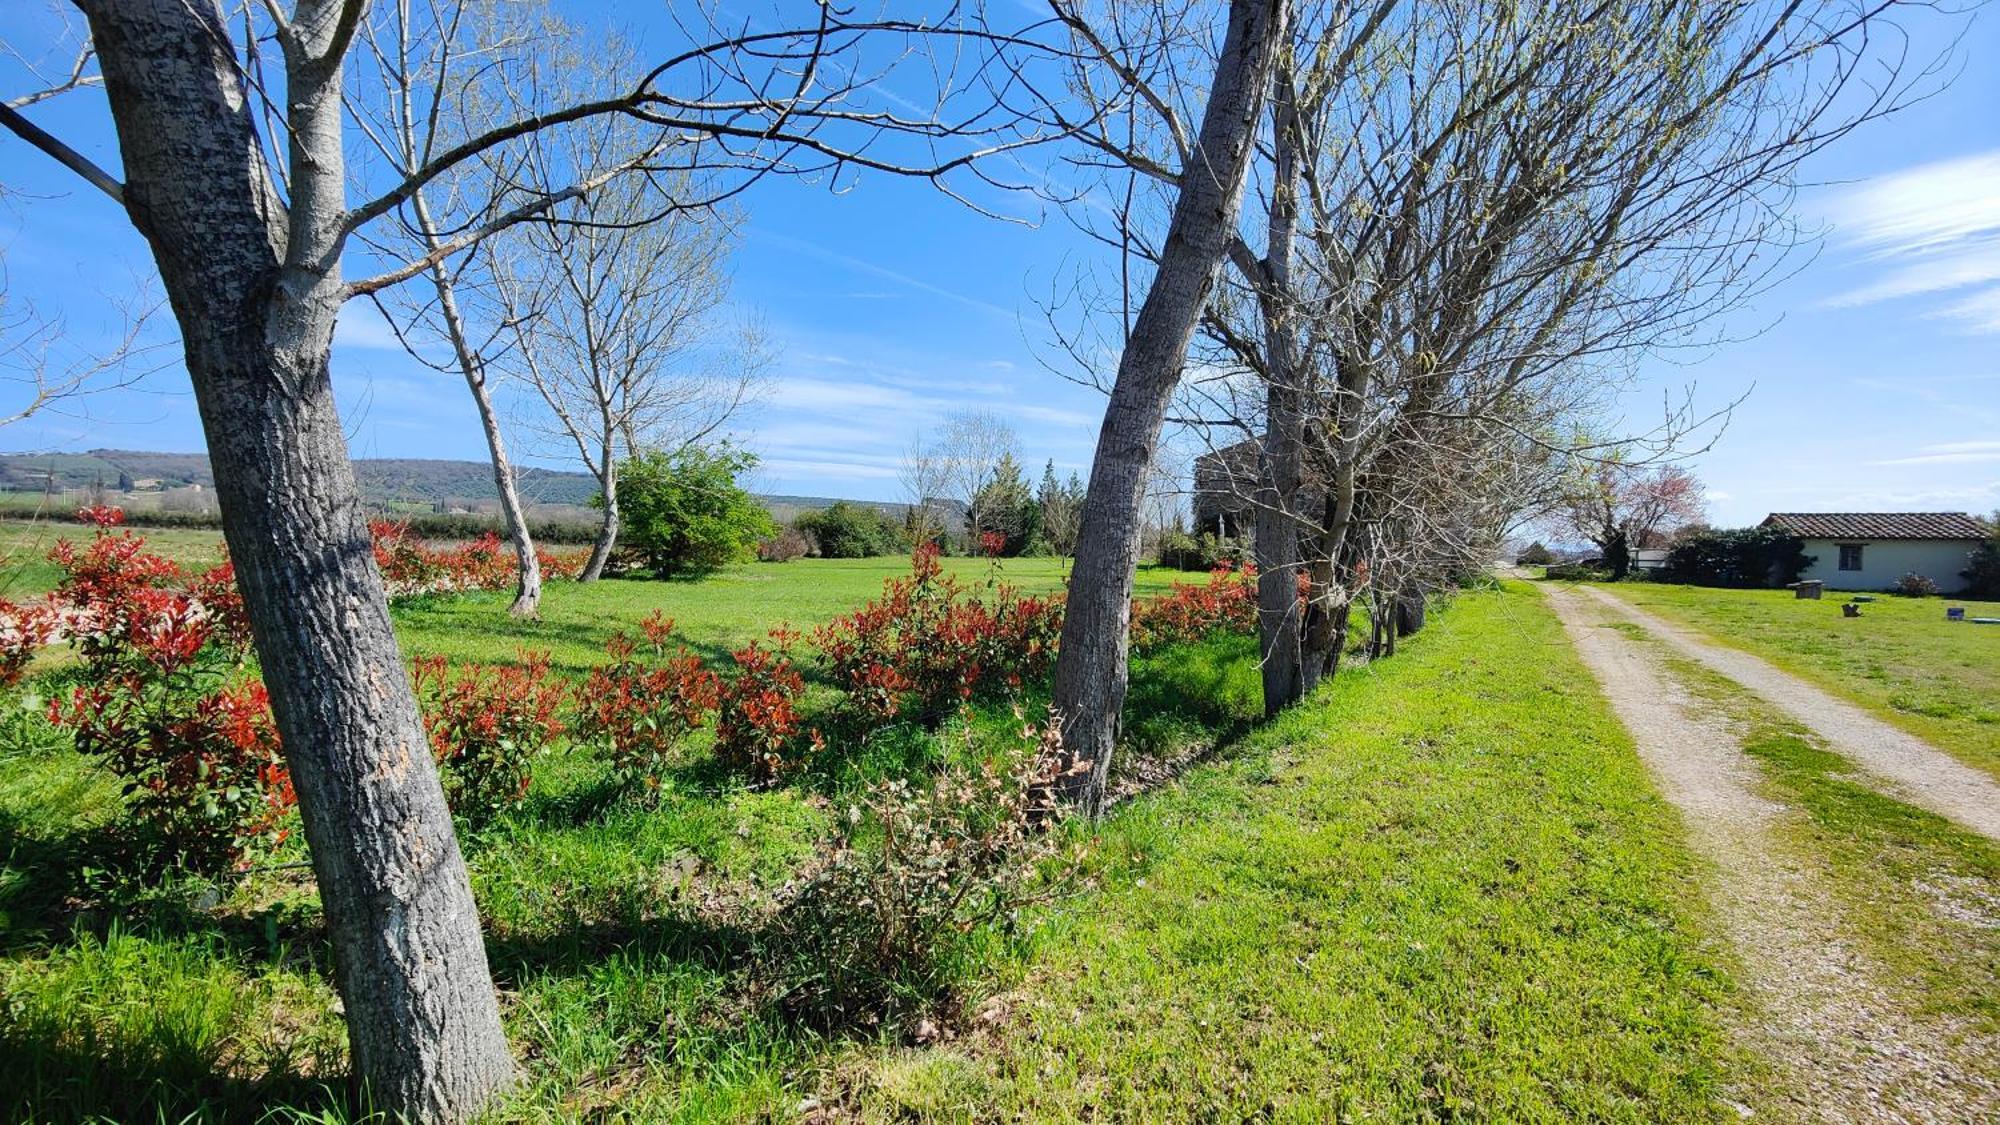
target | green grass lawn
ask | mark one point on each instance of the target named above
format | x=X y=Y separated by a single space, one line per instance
x=1443 y=890
x=1900 y=659
x=715 y=614
x=26 y=572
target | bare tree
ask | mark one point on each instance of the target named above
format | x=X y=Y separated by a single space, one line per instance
x=970 y=447
x=1211 y=165
x=428 y=72
x=235 y=169
x=617 y=321
x=925 y=474
x=1469 y=251
x=47 y=371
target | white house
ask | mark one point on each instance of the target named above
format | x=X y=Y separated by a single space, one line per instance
x=1872 y=550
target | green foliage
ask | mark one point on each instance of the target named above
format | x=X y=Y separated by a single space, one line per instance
x=684 y=511
x=923 y=869
x=847 y=530
x=1061 y=510
x=1746 y=557
x=1005 y=506
x=1982 y=576
x=1373 y=912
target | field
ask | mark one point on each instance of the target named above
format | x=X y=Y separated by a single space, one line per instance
x=26 y=572
x=1900 y=659
x=718 y=613
x=1425 y=891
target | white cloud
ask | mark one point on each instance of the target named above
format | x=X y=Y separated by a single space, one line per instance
x=1950 y=453
x=1937 y=226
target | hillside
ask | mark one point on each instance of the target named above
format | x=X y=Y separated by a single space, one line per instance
x=390 y=483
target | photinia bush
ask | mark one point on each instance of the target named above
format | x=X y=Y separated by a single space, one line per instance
x=487 y=725
x=646 y=702
x=201 y=767
x=927 y=645
x=758 y=730
x=168 y=706
x=24 y=630
x=1191 y=613
x=411 y=566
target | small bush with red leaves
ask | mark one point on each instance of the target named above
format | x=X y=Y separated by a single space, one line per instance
x=868 y=932
x=24 y=631
x=1190 y=613
x=201 y=766
x=168 y=706
x=928 y=645
x=785 y=546
x=645 y=703
x=758 y=729
x=487 y=725
x=411 y=566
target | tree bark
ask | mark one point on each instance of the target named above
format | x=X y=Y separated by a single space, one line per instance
x=1091 y=669
x=607 y=528
x=528 y=588
x=256 y=290
x=1276 y=531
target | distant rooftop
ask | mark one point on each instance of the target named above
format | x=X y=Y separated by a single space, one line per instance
x=1878 y=525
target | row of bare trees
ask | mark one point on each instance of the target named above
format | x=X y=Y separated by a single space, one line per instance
x=1463 y=215
x=1466 y=221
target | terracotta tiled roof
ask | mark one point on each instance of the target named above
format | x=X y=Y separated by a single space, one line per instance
x=1879 y=525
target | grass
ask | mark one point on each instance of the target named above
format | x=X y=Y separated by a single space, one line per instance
x=1443 y=890
x=128 y=1000
x=1921 y=894
x=715 y=614
x=1900 y=659
x=26 y=572
x=1440 y=889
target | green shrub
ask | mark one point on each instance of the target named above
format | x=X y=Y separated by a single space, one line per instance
x=873 y=929
x=1747 y=557
x=684 y=512
x=852 y=531
x=1982 y=577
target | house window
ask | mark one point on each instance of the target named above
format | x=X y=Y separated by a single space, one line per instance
x=1850 y=556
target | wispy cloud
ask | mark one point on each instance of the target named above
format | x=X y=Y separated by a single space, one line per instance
x=1950 y=453
x=1932 y=229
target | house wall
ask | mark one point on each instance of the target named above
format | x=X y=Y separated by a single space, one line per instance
x=1883 y=561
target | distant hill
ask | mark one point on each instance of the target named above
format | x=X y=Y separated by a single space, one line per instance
x=386 y=483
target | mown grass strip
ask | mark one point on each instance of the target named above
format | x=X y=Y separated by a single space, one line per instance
x=1442 y=889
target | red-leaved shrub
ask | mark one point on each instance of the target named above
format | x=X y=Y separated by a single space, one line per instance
x=758 y=729
x=646 y=701
x=24 y=630
x=167 y=706
x=487 y=725
x=410 y=565
x=1191 y=613
x=927 y=644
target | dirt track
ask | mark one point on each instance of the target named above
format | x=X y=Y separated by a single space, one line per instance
x=1850 y=1052
x=1914 y=771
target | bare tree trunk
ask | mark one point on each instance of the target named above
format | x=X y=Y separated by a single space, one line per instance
x=1276 y=531
x=607 y=529
x=256 y=290
x=1091 y=670
x=528 y=590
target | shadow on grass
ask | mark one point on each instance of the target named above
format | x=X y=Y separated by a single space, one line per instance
x=47 y=1076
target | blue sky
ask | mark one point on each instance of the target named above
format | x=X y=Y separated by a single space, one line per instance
x=1875 y=374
